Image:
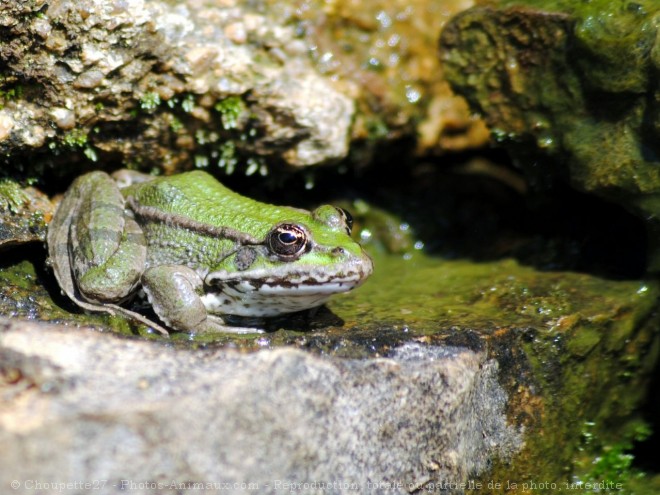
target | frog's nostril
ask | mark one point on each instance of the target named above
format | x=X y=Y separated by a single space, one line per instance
x=338 y=251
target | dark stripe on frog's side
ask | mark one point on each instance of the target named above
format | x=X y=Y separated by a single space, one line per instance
x=182 y=222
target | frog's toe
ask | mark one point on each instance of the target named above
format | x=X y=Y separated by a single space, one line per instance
x=215 y=324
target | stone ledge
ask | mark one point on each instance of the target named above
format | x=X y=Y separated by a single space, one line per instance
x=82 y=405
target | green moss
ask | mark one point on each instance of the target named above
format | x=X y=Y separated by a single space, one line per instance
x=377 y=129
x=205 y=136
x=149 y=101
x=11 y=89
x=36 y=221
x=76 y=138
x=610 y=8
x=614 y=39
x=228 y=159
x=185 y=101
x=175 y=124
x=610 y=464
x=188 y=103
x=11 y=93
x=584 y=372
x=230 y=110
x=201 y=161
x=90 y=153
x=12 y=196
x=256 y=164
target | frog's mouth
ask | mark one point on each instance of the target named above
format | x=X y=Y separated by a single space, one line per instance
x=300 y=279
x=286 y=289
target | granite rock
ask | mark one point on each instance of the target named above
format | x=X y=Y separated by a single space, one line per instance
x=80 y=406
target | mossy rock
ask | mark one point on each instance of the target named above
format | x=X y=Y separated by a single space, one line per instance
x=569 y=88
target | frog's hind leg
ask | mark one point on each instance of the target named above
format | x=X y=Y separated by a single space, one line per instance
x=97 y=251
x=116 y=277
x=107 y=248
x=175 y=295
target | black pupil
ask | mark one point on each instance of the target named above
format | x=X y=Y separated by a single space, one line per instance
x=287 y=237
x=349 y=219
x=288 y=241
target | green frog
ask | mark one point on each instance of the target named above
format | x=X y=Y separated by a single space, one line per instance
x=197 y=251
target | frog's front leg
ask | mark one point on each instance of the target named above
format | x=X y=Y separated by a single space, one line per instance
x=174 y=292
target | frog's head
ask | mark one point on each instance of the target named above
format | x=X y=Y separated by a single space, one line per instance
x=298 y=265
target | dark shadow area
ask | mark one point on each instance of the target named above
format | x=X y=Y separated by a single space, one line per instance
x=480 y=208
x=474 y=206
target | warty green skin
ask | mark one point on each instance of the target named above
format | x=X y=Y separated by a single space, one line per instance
x=197 y=250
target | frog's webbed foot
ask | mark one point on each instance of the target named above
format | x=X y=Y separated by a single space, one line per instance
x=174 y=293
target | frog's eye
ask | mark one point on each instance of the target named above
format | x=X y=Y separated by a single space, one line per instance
x=336 y=218
x=348 y=220
x=287 y=241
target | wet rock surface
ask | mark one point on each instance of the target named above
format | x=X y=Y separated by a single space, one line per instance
x=475 y=376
